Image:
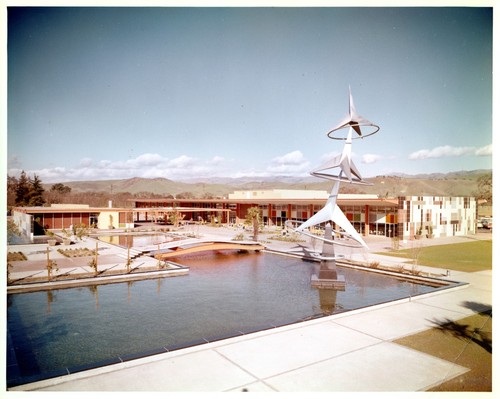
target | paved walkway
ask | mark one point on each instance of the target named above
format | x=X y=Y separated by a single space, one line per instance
x=318 y=355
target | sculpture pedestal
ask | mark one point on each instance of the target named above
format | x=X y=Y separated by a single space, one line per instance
x=328 y=277
x=337 y=284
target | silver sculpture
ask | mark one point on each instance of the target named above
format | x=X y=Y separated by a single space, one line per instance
x=347 y=173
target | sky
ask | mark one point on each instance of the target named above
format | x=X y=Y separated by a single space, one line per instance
x=182 y=93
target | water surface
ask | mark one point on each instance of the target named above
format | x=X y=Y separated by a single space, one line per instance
x=225 y=294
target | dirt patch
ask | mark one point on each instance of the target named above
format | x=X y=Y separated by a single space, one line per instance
x=466 y=342
x=76 y=252
x=15 y=256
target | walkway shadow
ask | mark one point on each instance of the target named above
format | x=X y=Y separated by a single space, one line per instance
x=466 y=332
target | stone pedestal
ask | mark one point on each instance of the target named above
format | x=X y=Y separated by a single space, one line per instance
x=328 y=277
x=328 y=281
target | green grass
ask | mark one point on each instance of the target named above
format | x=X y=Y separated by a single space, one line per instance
x=467 y=257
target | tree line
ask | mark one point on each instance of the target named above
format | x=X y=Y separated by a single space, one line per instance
x=29 y=191
x=25 y=191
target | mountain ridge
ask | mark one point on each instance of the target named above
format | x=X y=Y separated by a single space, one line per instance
x=460 y=183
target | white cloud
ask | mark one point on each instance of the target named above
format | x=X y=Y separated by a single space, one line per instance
x=292 y=158
x=487 y=150
x=449 y=151
x=104 y=163
x=370 y=158
x=149 y=160
x=182 y=162
x=291 y=163
x=145 y=165
x=86 y=162
x=216 y=160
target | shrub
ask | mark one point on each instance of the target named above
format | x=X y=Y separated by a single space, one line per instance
x=76 y=252
x=238 y=237
x=374 y=264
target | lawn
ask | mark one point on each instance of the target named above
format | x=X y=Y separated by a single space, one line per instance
x=468 y=257
x=467 y=342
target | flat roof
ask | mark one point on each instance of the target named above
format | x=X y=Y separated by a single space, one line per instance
x=279 y=201
x=48 y=209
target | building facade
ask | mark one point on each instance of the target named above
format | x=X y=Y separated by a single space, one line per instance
x=436 y=216
x=404 y=217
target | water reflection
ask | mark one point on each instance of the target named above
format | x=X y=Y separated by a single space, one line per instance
x=328 y=300
x=94 y=289
x=329 y=281
x=50 y=299
x=332 y=283
x=137 y=240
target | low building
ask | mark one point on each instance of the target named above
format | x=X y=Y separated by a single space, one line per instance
x=35 y=220
x=404 y=217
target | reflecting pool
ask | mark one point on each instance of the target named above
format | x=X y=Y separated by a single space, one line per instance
x=226 y=294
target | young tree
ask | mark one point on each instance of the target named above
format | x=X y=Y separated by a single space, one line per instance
x=60 y=188
x=485 y=188
x=185 y=195
x=57 y=192
x=253 y=218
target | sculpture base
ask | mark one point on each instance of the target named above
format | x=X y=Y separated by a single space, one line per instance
x=335 y=284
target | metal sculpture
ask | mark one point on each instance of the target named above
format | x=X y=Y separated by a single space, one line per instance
x=357 y=122
x=348 y=173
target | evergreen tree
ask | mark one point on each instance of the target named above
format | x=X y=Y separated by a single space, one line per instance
x=36 y=192
x=22 y=190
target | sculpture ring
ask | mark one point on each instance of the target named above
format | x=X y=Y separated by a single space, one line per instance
x=344 y=235
x=376 y=128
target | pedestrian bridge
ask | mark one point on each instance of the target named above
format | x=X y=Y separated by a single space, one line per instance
x=178 y=249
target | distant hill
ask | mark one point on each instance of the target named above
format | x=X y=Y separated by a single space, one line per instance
x=462 y=183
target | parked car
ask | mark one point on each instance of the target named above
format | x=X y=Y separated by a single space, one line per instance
x=487 y=223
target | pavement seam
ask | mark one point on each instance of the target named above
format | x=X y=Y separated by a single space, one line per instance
x=448 y=376
x=324 y=360
x=244 y=370
x=358 y=331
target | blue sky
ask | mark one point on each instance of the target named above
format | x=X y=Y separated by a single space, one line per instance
x=109 y=93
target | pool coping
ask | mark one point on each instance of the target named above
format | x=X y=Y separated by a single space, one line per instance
x=86 y=281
